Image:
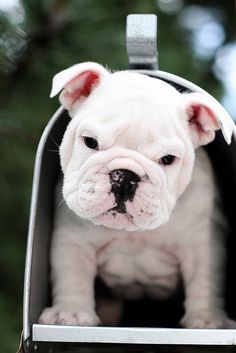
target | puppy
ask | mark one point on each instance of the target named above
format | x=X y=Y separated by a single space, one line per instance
x=140 y=206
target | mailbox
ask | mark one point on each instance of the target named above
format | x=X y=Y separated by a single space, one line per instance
x=147 y=325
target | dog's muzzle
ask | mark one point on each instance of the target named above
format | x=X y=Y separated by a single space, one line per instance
x=123 y=185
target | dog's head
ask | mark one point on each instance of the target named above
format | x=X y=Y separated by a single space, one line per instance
x=128 y=152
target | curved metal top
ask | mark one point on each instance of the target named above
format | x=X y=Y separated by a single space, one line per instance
x=226 y=122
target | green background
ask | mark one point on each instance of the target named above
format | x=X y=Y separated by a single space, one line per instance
x=40 y=38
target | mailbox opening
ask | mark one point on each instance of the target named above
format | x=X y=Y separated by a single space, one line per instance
x=145 y=313
x=145 y=325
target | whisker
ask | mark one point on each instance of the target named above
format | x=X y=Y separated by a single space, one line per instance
x=60 y=203
x=55 y=141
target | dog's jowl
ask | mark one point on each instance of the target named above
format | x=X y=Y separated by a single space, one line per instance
x=141 y=209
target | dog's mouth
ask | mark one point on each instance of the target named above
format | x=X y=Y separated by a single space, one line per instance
x=117 y=219
x=115 y=212
x=134 y=206
x=120 y=208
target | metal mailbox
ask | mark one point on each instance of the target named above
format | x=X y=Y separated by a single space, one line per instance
x=154 y=328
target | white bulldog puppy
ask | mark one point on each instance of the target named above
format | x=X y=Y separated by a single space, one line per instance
x=140 y=206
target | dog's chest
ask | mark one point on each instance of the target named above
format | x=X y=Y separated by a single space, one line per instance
x=135 y=261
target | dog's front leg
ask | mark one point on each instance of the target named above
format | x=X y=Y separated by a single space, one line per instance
x=73 y=271
x=202 y=271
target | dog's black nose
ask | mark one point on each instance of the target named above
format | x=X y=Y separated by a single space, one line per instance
x=124 y=184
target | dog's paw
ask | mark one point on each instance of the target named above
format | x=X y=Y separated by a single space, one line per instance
x=207 y=320
x=69 y=316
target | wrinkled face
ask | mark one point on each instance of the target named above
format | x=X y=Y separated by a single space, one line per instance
x=127 y=154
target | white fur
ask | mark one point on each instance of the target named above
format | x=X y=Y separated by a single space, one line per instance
x=169 y=230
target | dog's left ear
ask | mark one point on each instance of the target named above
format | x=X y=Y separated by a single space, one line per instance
x=77 y=83
x=205 y=116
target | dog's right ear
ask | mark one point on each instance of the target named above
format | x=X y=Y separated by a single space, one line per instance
x=77 y=83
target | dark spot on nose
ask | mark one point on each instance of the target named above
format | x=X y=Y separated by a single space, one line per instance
x=123 y=184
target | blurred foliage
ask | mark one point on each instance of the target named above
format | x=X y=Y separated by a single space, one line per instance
x=38 y=39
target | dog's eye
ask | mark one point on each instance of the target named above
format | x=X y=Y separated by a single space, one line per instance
x=91 y=143
x=167 y=160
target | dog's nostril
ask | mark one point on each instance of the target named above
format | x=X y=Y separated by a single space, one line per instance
x=117 y=175
x=125 y=175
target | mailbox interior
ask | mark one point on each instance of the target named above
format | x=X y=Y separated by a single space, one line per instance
x=146 y=313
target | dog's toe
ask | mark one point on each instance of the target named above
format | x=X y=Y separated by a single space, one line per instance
x=48 y=316
x=84 y=318
x=208 y=320
x=228 y=323
x=68 y=316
